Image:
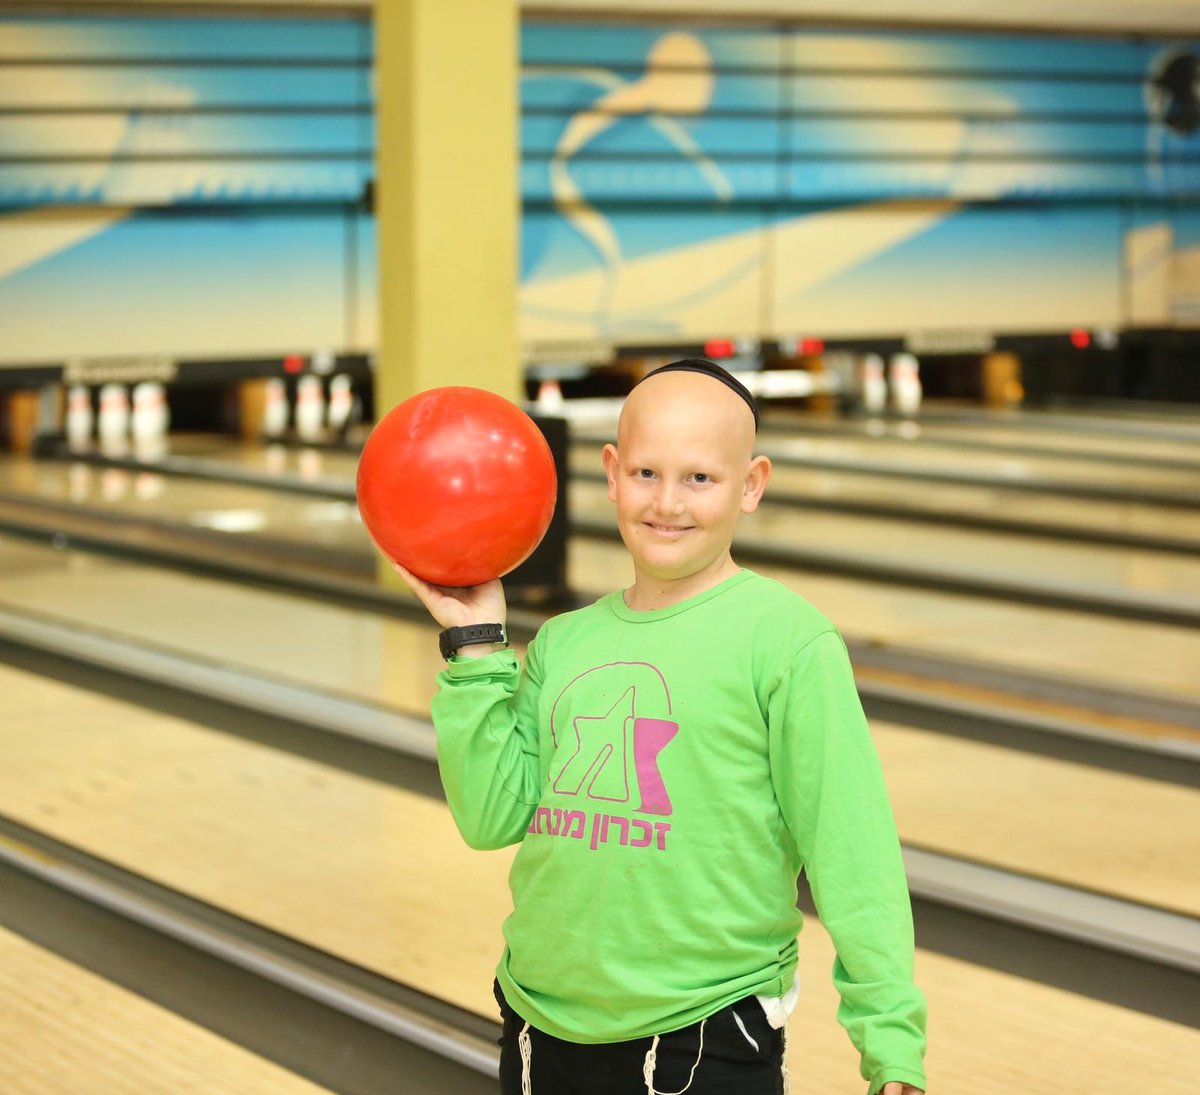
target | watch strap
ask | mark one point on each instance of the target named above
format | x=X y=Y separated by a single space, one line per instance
x=454 y=638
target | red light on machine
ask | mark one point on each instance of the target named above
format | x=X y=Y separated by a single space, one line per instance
x=810 y=347
x=1080 y=339
x=719 y=347
x=293 y=363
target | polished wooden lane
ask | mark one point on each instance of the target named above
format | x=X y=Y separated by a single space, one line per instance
x=1113 y=652
x=1097 y=830
x=378 y=876
x=1026 y=813
x=323 y=645
x=964 y=500
x=984 y=554
x=1127 y=654
x=64 y=1029
x=980 y=435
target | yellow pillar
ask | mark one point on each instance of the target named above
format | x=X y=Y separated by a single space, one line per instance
x=446 y=196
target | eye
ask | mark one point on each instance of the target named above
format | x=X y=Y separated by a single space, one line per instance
x=700 y=477
x=644 y=473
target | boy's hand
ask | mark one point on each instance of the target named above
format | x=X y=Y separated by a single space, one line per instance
x=897 y=1088
x=455 y=607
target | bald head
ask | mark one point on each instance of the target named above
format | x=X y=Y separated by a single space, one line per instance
x=689 y=404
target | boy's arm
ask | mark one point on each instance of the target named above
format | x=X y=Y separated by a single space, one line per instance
x=485 y=714
x=830 y=787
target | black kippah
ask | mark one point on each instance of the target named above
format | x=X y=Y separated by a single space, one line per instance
x=710 y=368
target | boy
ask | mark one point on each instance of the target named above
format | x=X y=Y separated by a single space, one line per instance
x=669 y=758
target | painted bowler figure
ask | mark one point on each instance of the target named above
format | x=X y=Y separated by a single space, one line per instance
x=669 y=759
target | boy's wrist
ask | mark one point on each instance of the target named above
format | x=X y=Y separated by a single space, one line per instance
x=480 y=650
x=455 y=640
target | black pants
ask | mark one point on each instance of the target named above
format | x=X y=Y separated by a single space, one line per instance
x=731 y=1063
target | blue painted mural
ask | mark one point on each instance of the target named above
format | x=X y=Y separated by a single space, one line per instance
x=193 y=185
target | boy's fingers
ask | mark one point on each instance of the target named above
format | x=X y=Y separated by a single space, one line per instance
x=417 y=585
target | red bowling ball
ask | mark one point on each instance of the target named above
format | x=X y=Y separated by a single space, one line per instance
x=457 y=485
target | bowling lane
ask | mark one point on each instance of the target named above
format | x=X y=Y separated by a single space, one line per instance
x=393 y=663
x=365 y=871
x=1137 y=656
x=340 y=650
x=890 y=542
x=982 y=435
x=892 y=457
x=335 y=525
x=1052 y=818
x=66 y=1030
x=311 y=521
x=960 y=500
x=330 y=468
x=109 y=595
x=1133 y=419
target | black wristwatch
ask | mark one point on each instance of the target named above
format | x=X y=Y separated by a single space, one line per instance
x=453 y=638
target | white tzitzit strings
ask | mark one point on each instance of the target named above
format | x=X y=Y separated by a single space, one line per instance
x=526 y=1048
x=651 y=1063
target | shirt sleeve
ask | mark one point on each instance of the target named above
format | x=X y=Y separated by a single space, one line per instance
x=830 y=787
x=485 y=715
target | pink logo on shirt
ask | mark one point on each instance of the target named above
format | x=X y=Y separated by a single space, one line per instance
x=596 y=746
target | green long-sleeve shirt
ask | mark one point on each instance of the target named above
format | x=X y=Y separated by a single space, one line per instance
x=668 y=774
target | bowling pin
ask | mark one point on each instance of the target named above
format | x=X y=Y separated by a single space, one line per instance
x=275 y=408
x=906 y=384
x=341 y=402
x=549 y=397
x=310 y=408
x=149 y=420
x=874 y=386
x=112 y=423
x=79 y=417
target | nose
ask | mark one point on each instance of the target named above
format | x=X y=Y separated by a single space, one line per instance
x=667 y=499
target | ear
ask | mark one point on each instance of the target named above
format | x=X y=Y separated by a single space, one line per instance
x=610 y=470
x=756 y=483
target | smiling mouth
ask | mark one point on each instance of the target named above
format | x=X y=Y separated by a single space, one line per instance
x=666 y=528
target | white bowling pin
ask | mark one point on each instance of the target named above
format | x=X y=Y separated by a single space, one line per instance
x=151 y=416
x=310 y=408
x=275 y=408
x=906 y=384
x=874 y=386
x=112 y=423
x=79 y=416
x=341 y=402
x=549 y=397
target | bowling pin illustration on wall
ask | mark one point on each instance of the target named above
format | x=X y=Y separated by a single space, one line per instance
x=678 y=79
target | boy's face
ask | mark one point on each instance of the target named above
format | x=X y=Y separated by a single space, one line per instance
x=682 y=473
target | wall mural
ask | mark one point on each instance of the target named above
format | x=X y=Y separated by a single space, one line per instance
x=194 y=185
